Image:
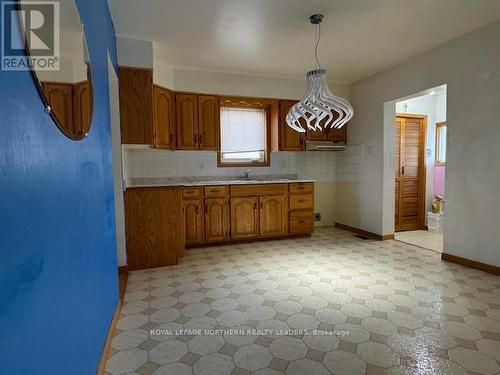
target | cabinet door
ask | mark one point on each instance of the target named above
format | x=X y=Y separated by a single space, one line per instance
x=155 y=234
x=244 y=217
x=208 y=122
x=164 y=118
x=289 y=139
x=82 y=108
x=338 y=135
x=317 y=135
x=60 y=98
x=187 y=121
x=136 y=105
x=193 y=221
x=216 y=219
x=273 y=216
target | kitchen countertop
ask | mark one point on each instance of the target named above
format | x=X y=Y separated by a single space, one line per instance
x=209 y=181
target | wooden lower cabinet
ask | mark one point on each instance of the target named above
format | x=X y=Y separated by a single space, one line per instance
x=273 y=217
x=194 y=222
x=244 y=217
x=154 y=226
x=216 y=220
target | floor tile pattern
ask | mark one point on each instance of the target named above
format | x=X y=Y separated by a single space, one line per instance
x=394 y=308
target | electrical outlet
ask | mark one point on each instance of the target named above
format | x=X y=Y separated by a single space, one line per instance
x=317 y=216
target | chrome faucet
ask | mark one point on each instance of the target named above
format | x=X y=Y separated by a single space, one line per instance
x=246 y=173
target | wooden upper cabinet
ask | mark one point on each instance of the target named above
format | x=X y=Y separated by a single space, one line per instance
x=187 y=121
x=208 y=122
x=216 y=219
x=289 y=139
x=60 y=97
x=82 y=108
x=194 y=222
x=136 y=109
x=273 y=218
x=154 y=226
x=164 y=118
x=317 y=135
x=338 y=135
x=244 y=217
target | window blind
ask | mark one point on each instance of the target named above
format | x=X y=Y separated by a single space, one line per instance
x=242 y=133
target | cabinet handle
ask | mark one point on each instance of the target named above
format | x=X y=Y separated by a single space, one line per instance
x=206 y=209
x=255 y=206
x=170 y=138
x=301 y=222
x=197 y=210
x=213 y=191
x=261 y=205
x=402 y=170
x=301 y=201
x=201 y=138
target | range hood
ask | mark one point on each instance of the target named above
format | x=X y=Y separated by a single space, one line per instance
x=324 y=146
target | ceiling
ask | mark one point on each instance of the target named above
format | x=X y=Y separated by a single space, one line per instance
x=274 y=37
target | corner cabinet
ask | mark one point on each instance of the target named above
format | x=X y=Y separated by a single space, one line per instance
x=136 y=105
x=164 y=118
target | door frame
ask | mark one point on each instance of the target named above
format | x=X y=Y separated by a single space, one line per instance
x=422 y=184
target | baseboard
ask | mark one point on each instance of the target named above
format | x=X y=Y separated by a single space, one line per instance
x=365 y=233
x=107 y=344
x=471 y=263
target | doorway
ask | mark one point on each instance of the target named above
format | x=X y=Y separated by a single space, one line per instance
x=410 y=172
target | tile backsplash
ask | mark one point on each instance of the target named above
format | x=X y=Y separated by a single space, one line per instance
x=148 y=162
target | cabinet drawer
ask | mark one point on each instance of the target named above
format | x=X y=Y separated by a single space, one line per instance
x=301 y=188
x=216 y=191
x=258 y=189
x=301 y=222
x=302 y=201
x=192 y=192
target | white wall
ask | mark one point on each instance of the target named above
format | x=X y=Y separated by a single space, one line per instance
x=114 y=105
x=470 y=66
x=134 y=52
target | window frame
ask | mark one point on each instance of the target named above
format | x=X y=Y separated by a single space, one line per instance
x=269 y=106
x=439 y=125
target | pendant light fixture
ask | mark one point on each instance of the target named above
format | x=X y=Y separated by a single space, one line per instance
x=320 y=109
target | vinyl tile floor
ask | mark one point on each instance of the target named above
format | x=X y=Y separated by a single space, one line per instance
x=328 y=304
x=422 y=238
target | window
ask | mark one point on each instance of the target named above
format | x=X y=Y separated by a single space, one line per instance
x=440 y=143
x=243 y=138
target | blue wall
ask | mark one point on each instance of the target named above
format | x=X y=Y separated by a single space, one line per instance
x=58 y=279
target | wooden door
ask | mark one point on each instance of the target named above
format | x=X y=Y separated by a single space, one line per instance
x=82 y=108
x=155 y=234
x=273 y=217
x=216 y=225
x=208 y=122
x=136 y=105
x=289 y=139
x=410 y=172
x=60 y=100
x=244 y=217
x=187 y=121
x=193 y=221
x=164 y=118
